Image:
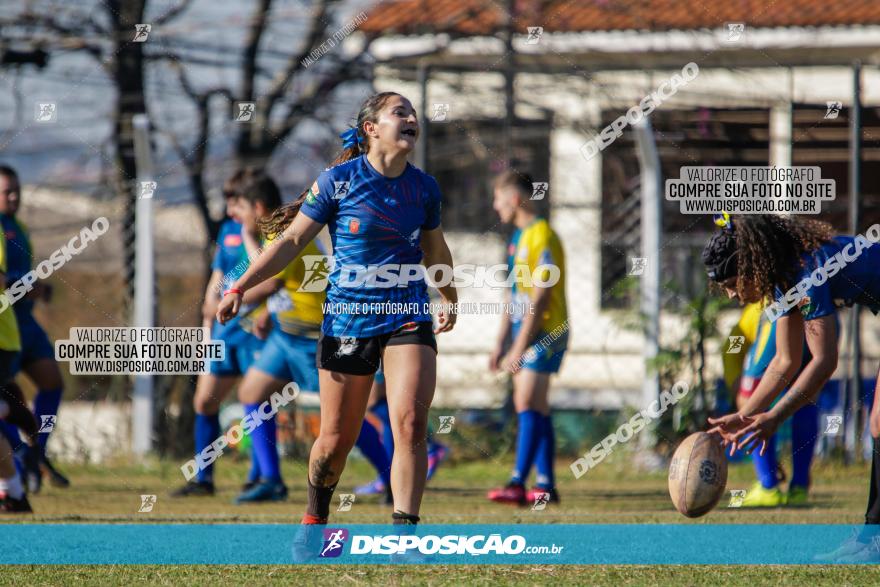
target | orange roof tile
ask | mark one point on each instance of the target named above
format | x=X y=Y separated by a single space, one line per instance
x=482 y=17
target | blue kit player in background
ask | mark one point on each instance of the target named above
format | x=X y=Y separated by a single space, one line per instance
x=538 y=334
x=380 y=210
x=289 y=352
x=806 y=273
x=241 y=337
x=37 y=357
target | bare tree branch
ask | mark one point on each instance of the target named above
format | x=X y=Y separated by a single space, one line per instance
x=316 y=93
x=317 y=32
x=172 y=13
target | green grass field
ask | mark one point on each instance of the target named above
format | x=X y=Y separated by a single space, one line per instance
x=609 y=494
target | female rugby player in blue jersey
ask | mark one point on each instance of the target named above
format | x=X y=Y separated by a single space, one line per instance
x=380 y=210
x=806 y=273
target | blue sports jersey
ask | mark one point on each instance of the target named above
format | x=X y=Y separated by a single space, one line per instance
x=853 y=267
x=19 y=256
x=231 y=256
x=231 y=259
x=373 y=220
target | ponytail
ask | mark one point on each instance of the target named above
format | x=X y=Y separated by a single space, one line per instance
x=354 y=144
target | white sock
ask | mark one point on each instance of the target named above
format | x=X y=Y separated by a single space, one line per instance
x=12 y=486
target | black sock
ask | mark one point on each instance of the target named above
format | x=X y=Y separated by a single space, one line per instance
x=872 y=513
x=403 y=518
x=319 y=500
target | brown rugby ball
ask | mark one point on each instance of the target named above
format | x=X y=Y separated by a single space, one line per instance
x=697 y=475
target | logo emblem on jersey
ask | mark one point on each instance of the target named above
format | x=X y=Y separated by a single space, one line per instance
x=317 y=271
x=334 y=539
x=347 y=345
x=409 y=327
x=340 y=189
x=354 y=226
x=232 y=240
x=414 y=237
x=805 y=305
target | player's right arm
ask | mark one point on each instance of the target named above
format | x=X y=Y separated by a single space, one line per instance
x=271 y=262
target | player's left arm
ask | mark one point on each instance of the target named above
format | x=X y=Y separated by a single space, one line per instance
x=436 y=252
x=821 y=335
x=783 y=366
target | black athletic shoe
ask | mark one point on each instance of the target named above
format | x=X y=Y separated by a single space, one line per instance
x=194 y=488
x=15 y=506
x=55 y=477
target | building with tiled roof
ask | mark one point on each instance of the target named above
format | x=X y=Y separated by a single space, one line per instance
x=767 y=73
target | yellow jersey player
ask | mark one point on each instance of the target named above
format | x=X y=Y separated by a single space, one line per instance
x=537 y=327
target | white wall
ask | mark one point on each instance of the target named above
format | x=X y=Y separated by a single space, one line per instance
x=603 y=367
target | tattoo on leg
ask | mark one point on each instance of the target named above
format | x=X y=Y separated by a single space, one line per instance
x=321 y=471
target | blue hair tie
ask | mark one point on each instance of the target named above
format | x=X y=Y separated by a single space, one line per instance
x=350 y=138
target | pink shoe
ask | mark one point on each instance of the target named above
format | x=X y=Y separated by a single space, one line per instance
x=515 y=494
x=436 y=455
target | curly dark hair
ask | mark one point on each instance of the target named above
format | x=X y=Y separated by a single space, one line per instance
x=770 y=251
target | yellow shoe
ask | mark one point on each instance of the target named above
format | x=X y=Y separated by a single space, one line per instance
x=759 y=497
x=796 y=496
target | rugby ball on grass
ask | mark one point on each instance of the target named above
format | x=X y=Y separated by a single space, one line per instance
x=697 y=475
